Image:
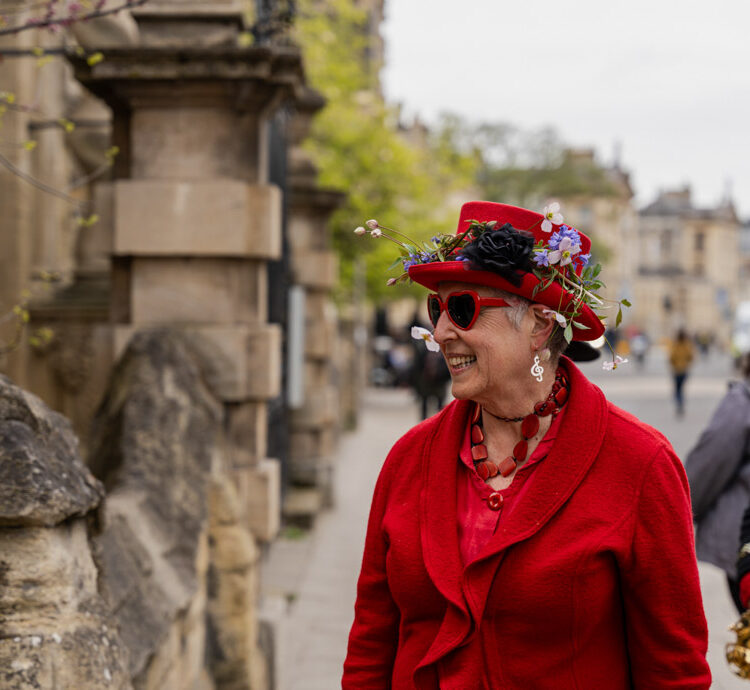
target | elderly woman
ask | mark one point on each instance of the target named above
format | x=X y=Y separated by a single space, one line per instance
x=531 y=534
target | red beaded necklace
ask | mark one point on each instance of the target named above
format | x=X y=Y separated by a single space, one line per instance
x=551 y=405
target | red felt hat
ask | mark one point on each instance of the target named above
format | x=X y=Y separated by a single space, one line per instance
x=554 y=296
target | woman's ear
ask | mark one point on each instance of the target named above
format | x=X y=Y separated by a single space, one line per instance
x=541 y=325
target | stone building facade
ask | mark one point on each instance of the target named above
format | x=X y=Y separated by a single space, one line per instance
x=192 y=220
x=606 y=213
x=688 y=267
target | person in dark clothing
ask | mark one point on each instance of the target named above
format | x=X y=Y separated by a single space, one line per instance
x=429 y=379
x=718 y=470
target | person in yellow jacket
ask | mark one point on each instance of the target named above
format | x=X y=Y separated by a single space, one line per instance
x=681 y=355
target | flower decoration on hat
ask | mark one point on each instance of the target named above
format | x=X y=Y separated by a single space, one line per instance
x=555 y=254
x=552 y=216
x=419 y=333
x=616 y=362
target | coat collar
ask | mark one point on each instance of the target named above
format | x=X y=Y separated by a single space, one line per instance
x=555 y=479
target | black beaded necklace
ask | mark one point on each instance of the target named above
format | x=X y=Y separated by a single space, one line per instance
x=551 y=405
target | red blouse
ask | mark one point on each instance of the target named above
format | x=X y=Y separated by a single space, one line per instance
x=477 y=521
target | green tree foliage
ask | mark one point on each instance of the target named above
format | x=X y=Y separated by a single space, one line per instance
x=525 y=167
x=360 y=148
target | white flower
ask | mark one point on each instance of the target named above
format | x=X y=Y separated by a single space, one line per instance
x=565 y=252
x=558 y=316
x=376 y=232
x=372 y=224
x=609 y=366
x=360 y=231
x=551 y=215
x=422 y=333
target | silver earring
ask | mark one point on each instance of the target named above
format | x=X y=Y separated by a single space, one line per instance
x=537 y=370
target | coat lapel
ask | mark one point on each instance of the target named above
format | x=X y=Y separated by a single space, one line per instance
x=437 y=502
x=438 y=528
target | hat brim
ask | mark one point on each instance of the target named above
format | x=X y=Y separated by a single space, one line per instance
x=553 y=296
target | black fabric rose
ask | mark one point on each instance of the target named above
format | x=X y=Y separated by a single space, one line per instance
x=505 y=251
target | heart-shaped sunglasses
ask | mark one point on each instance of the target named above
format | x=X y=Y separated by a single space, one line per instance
x=462 y=307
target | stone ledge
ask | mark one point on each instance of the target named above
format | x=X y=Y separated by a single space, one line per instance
x=302 y=504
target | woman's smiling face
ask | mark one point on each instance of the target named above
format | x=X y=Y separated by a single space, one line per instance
x=488 y=358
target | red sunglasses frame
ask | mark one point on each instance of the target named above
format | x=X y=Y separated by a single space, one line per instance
x=479 y=302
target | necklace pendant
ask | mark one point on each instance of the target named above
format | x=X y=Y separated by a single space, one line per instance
x=477 y=435
x=529 y=426
x=479 y=452
x=507 y=466
x=520 y=450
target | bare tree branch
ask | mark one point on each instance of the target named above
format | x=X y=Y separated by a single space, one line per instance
x=39 y=184
x=65 y=21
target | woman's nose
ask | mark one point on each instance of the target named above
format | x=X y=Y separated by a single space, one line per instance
x=444 y=329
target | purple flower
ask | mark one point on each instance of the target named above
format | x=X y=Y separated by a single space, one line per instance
x=583 y=259
x=564 y=232
x=565 y=252
x=541 y=257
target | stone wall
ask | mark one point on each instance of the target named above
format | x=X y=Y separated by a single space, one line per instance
x=56 y=629
x=157 y=588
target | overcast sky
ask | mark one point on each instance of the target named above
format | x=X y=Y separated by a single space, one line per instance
x=667 y=79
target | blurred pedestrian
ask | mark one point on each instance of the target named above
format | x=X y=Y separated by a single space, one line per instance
x=429 y=378
x=718 y=470
x=681 y=356
x=639 y=347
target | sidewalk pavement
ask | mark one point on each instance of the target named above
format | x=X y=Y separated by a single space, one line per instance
x=309 y=579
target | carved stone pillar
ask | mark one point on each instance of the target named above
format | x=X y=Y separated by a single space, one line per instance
x=191 y=219
x=314 y=423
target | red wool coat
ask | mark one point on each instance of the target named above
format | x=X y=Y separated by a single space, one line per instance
x=589 y=583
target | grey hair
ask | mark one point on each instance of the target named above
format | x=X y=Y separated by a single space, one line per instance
x=515 y=313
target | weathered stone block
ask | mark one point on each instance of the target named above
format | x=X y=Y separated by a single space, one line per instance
x=247 y=432
x=223 y=503
x=198 y=143
x=264 y=499
x=42 y=478
x=241 y=362
x=198 y=290
x=224 y=217
x=320 y=339
x=302 y=504
x=232 y=547
x=317 y=374
x=320 y=409
x=312 y=442
x=315 y=269
x=155 y=444
x=54 y=622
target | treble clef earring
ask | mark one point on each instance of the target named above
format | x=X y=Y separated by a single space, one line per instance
x=537 y=370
